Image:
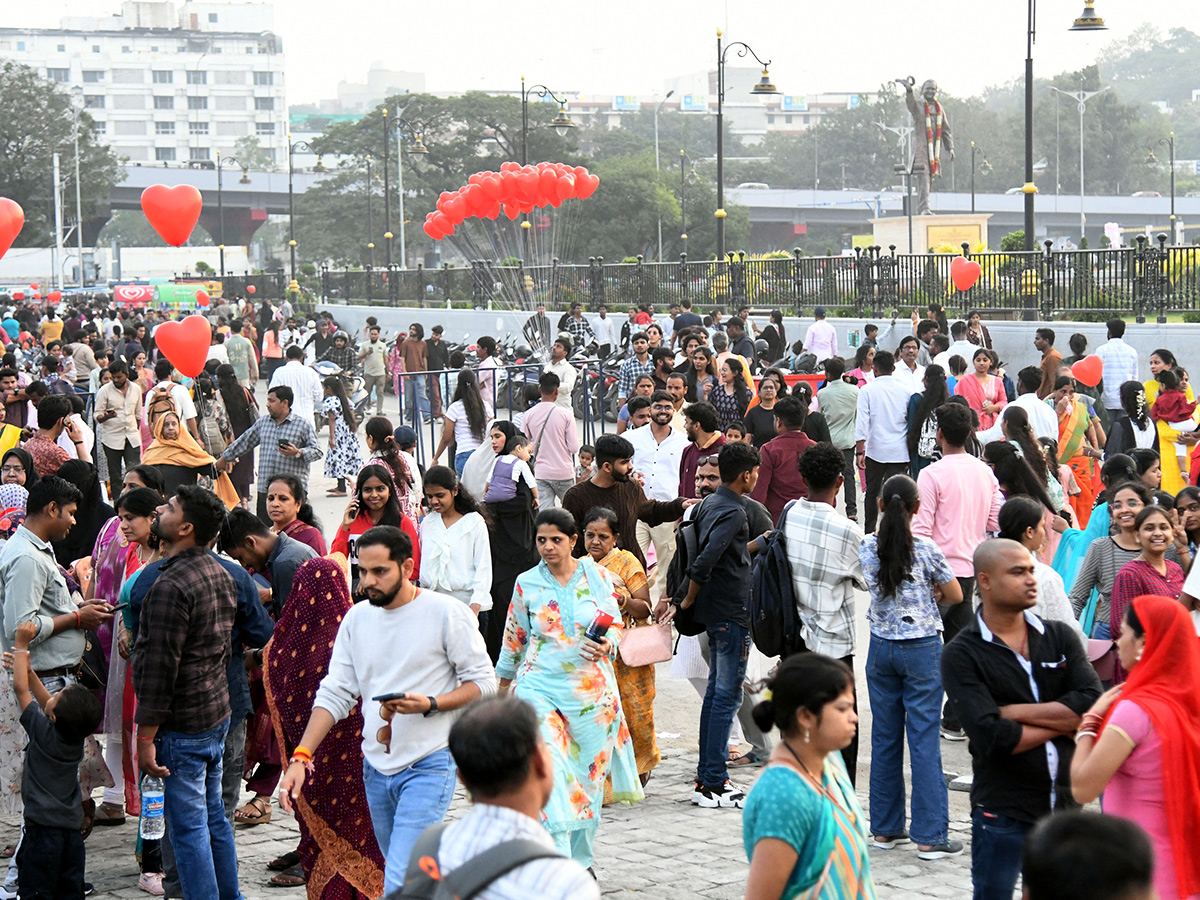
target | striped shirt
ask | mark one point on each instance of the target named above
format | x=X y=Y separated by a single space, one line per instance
x=485 y=826
x=630 y=370
x=266 y=434
x=822 y=551
x=1120 y=365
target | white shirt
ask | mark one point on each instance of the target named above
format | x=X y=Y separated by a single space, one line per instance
x=305 y=384
x=882 y=419
x=87 y=438
x=913 y=379
x=566 y=381
x=821 y=340
x=483 y=827
x=657 y=462
x=123 y=426
x=457 y=560
x=965 y=349
x=442 y=649
x=1043 y=420
x=606 y=330
x=180 y=396
x=218 y=352
x=1120 y=365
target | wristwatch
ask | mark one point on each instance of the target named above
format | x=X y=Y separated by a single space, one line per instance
x=433 y=707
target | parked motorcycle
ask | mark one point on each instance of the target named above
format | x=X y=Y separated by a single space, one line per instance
x=355 y=390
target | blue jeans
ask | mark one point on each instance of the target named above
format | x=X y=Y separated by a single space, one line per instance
x=460 y=461
x=405 y=804
x=996 y=843
x=416 y=399
x=904 y=682
x=203 y=843
x=728 y=648
x=1101 y=631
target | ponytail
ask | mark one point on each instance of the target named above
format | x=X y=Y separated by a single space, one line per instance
x=894 y=540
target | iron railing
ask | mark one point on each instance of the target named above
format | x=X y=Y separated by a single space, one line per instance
x=1148 y=279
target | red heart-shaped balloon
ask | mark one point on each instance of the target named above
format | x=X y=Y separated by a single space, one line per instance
x=250 y=289
x=172 y=211
x=202 y=299
x=964 y=272
x=12 y=220
x=54 y=296
x=586 y=186
x=1089 y=370
x=185 y=344
x=35 y=285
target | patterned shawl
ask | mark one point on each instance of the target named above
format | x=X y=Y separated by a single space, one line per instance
x=342 y=861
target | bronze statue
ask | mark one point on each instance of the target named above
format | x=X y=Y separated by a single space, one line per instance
x=931 y=134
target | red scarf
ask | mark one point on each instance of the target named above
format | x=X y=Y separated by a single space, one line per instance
x=1164 y=684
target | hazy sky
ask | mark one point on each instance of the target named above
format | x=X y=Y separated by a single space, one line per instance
x=627 y=47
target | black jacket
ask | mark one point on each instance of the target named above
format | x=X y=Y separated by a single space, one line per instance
x=722 y=567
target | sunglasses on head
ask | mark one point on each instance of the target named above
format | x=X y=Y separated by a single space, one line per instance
x=707 y=461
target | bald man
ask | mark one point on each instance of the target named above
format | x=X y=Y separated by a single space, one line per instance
x=1019 y=686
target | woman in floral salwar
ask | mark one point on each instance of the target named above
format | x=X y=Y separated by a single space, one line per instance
x=601 y=532
x=569 y=680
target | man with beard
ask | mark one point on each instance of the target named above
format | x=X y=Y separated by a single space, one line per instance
x=179 y=667
x=259 y=549
x=657 y=449
x=408 y=688
x=612 y=487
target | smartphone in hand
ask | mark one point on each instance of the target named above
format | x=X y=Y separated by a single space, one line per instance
x=384 y=698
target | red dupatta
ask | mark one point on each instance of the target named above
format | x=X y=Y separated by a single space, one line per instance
x=342 y=861
x=1163 y=684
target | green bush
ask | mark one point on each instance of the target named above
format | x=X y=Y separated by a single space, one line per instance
x=1013 y=241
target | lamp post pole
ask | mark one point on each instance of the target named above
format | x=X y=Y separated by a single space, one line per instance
x=657 y=110
x=418 y=147
x=1081 y=97
x=561 y=123
x=387 y=191
x=1152 y=160
x=370 y=218
x=77 y=109
x=292 y=148
x=764 y=86
x=245 y=179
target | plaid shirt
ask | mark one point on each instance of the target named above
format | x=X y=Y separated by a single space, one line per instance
x=183 y=644
x=266 y=434
x=630 y=370
x=345 y=357
x=580 y=331
x=822 y=550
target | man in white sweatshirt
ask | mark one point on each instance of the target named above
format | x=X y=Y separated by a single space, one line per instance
x=409 y=688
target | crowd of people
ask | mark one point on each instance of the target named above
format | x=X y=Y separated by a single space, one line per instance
x=172 y=609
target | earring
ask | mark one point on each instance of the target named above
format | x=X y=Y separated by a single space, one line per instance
x=806 y=735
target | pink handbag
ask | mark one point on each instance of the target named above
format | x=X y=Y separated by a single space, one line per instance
x=645 y=645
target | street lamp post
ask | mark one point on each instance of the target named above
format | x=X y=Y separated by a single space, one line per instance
x=1169 y=141
x=245 y=179
x=304 y=147
x=684 y=180
x=370 y=218
x=1080 y=99
x=77 y=107
x=561 y=123
x=984 y=167
x=387 y=192
x=657 y=110
x=763 y=87
x=418 y=148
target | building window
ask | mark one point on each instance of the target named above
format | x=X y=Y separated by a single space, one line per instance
x=99 y=127
x=787 y=120
x=264 y=103
x=164 y=154
x=770 y=119
x=263 y=79
x=264 y=129
x=95 y=48
x=195 y=128
x=249 y=49
x=153 y=49
x=62 y=48
x=164 y=102
x=20 y=45
x=164 y=127
x=200 y=153
x=197 y=78
x=197 y=103
x=125 y=48
x=212 y=17
x=59 y=76
x=92 y=77
x=93 y=101
x=163 y=77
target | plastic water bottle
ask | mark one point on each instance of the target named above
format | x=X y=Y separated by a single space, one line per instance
x=152 y=826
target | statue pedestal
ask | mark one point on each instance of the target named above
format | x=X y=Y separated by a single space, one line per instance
x=948 y=230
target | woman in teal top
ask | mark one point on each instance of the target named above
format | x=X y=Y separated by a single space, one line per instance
x=803 y=829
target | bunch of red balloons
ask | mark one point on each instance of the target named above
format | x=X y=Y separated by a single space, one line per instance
x=515 y=189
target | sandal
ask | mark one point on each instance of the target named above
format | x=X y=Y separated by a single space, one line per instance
x=109 y=814
x=8 y=851
x=750 y=758
x=89 y=817
x=285 y=862
x=261 y=816
x=292 y=877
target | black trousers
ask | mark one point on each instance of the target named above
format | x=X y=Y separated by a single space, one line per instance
x=493 y=635
x=955 y=618
x=850 y=474
x=261 y=509
x=877 y=474
x=119 y=462
x=50 y=863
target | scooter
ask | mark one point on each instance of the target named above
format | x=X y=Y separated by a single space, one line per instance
x=354 y=385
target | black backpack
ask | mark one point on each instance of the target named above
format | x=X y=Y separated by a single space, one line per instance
x=423 y=880
x=687 y=545
x=774 y=621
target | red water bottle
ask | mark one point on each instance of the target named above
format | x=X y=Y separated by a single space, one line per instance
x=599 y=627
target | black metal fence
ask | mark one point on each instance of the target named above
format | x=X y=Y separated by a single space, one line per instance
x=267 y=285
x=1150 y=279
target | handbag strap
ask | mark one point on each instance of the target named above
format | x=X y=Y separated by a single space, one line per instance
x=537 y=445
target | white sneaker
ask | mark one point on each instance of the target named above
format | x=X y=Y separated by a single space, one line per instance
x=151 y=883
x=728 y=796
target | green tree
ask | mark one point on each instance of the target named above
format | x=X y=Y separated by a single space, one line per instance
x=130 y=228
x=250 y=154
x=37 y=120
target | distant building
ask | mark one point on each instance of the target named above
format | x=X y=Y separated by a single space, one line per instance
x=168 y=82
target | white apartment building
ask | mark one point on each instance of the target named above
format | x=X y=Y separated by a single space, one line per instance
x=167 y=82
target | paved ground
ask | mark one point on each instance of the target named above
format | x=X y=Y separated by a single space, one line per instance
x=661 y=849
